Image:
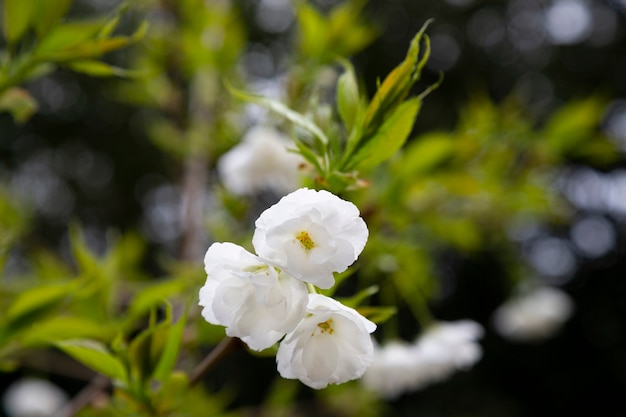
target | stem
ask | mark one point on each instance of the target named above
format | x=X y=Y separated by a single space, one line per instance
x=85 y=396
x=226 y=346
x=194 y=181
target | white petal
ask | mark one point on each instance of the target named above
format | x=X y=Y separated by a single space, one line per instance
x=337 y=235
x=250 y=298
x=337 y=352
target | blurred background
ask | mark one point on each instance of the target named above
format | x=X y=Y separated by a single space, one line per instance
x=87 y=155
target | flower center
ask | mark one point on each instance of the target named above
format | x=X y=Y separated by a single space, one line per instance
x=327 y=326
x=305 y=240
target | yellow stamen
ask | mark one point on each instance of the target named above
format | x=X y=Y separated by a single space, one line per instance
x=305 y=240
x=327 y=326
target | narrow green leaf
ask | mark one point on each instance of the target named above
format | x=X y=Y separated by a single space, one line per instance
x=19 y=103
x=348 y=100
x=169 y=356
x=397 y=85
x=94 y=355
x=146 y=350
x=17 y=19
x=378 y=314
x=85 y=259
x=99 y=69
x=388 y=138
x=359 y=297
x=55 y=329
x=141 y=31
x=32 y=303
x=284 y=111
x=112 y=23
x=309 y=155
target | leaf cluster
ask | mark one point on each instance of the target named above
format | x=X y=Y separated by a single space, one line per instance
x=38 y=40
x=357 y=134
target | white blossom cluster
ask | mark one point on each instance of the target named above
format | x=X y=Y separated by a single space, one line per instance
x=400 y=367
x=303 y=239
x=533 y=316
x=261 y=162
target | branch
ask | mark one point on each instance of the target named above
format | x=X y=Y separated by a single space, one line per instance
x=85 y=396
x=226 y=346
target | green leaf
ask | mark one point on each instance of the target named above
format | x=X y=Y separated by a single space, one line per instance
x=573 y=124
x=378 y=314
x=96 y=356
x=85 y=259
x=47 y=13
x=312 y=30
x=169 y=356
x=144 y=352
x=67 y=35
x=35 y=302
x=155 y=294
x=425 y=153
x=17 y=19
x=56 y=329
x=99 y=69
x=388 y=138
x=19 y=103
x=359 y=297
x=398 y=83
x=348 y=100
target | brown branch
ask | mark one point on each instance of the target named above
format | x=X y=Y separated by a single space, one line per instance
x=97 y=384
x=226 y=346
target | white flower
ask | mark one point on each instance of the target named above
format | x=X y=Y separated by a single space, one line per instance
x=447 y=347
x=444 y=348
x=31 y=397
x=534 y=316
x=260 y=162
x=331 y=345
x=394 y=370
x=256 y=302
x=311 y=234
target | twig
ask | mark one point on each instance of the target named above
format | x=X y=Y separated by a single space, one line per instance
x=225 y=347
x=85 y=396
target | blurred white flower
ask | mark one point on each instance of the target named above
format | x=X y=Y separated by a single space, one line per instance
x=444 y=348
x=534 y=316
x=331 y=345
x=311 y=234
x=255 y=302
x=32 y=397
x=260 y=162
x=393 y=370
x=447 y=347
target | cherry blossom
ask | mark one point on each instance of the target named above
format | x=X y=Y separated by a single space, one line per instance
x=533 y=316
x=331 y=345
x=260 y=162
x=254 y=301
x=311 y=234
